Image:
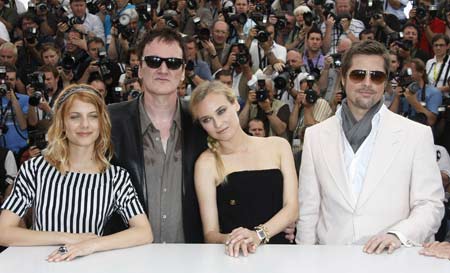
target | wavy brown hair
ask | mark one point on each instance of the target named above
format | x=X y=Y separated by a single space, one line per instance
x=57 y=152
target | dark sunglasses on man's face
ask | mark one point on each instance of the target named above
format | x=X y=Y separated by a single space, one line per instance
x=359 y=75
x=155 y=62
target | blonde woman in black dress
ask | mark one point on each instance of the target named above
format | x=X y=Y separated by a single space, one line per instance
x=246 y=186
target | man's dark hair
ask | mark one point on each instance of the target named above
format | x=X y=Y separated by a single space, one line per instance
x=314 y=29
x=71 y=1
x=49 y=68
x=413 y=26
x=166 y=35
x=223 y=72
x=367 y=31
x=95 y=40
x=440 y=36
x=368 y=47
x=27 y=15
x=188 y=40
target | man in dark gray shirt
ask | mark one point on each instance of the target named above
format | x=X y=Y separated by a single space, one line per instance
x=156 y=141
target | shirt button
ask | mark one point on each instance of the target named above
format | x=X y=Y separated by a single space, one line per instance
x=157 y=138
x=164 y=190
x=164 y=216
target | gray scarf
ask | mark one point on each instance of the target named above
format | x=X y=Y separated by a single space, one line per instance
x=357 y=131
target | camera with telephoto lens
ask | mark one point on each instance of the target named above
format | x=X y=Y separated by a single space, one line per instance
x=37 y=138
x=3 y=84
x=337 y=62
x=261 y=92
x=37 y=82
x=310 y=95
x=145 y=11
x=31 y=35
x=288 y=75
x=405 y=80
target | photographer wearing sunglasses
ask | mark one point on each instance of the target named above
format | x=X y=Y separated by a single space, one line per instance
x=372 y=155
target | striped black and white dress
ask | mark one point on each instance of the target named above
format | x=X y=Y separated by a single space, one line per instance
x=75 y=202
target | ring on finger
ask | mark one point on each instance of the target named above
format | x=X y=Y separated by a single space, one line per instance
x=63 y=249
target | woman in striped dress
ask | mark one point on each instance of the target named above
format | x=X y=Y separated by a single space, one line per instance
x=73 y=189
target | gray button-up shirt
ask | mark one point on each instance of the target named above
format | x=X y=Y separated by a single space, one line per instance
x=163 y=175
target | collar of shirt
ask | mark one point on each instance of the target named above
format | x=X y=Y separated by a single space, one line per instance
x=146 y=122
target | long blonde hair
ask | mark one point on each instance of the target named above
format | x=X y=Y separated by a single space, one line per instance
x=57 y=152
x=198 y=95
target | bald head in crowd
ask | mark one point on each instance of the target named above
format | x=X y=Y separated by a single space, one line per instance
x=294 y=59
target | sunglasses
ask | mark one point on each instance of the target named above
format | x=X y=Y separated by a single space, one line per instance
x=359 y=75
x=155 y=62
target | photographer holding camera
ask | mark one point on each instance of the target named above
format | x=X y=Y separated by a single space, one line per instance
x=438 y=67
x=309 y=109
x=215 y=50
x=329 y=81
x=91 y=25
x=197 y=70
x=29 y=45
x=8 y=15
x=340 y=25
x=421 y=100
x=239 y=63
x=264 y=50
x=43 y=91
x=424 y=16
x=13 y=112
x=296 y=37
x=262 y=104
x=124 y=33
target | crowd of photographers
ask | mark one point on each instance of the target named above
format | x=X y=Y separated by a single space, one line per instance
x=282 y=58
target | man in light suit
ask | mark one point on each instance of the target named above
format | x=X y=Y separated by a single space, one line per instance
x=368 y=176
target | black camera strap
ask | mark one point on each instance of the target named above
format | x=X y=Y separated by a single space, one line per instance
x=262 y=60
x=441 y=69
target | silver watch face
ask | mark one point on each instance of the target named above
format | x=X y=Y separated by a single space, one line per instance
x=260 y=234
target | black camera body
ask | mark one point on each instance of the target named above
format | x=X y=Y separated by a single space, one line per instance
x=121 y=22
x=191 y=4
x=68 y=62
x=104 y=64
x=261 y=93
x=3 y=84
x=337 y=60
x=135 y=71
x=288 y=75
x=37 y=138
x=405 y=80
x=37 y=82
x=145 y=11
x=405 y=44
x=242 y=56
x=31 y=35
x=311 y=96
x=262 y=35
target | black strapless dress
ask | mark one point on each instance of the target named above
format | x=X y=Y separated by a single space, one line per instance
x=250 y=198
